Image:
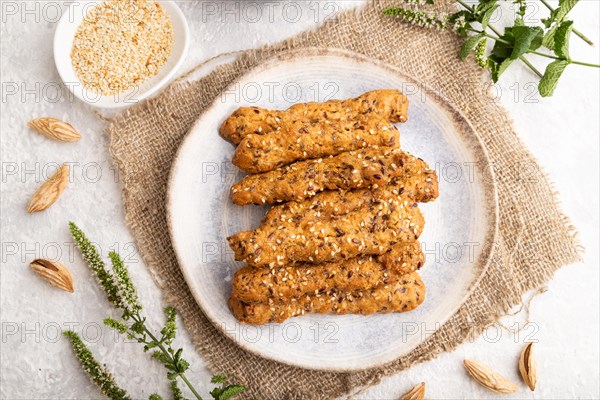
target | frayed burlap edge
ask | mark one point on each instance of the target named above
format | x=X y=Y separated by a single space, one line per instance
x=535 y=239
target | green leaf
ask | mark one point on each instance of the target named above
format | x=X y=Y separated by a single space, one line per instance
x=155 y=396
x=182 y=365
x=527 y=39
x=502 y=50
x=218 y=379
x=498 y=68
x=216 y=392
x=172 y=375
x=547 y=22
x=550 y=79
x=557 y=17
x=561 y=39
x=486 y=16
x=484 y=11
x=469 y=45
x=564 y=7
x=231 y=391
x=548 y=40
x=522 y=7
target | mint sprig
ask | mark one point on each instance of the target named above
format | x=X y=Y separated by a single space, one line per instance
x=121 y=293
x=517 y=42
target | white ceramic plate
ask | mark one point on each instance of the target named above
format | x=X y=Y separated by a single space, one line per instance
x=63 y=43
x=460 y=229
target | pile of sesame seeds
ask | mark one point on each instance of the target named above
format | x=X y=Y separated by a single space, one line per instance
x=120 y=44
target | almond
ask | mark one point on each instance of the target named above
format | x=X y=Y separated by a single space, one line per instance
x=489 y=378
x=54 y=273
x=50 y=190
x=528 y=366
x=416 y=393
x=55 y=129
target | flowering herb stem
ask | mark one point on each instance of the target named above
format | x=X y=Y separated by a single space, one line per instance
x=121 y=292
x=97 y=373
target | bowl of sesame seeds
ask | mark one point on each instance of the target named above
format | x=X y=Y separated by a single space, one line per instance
x=115 y=53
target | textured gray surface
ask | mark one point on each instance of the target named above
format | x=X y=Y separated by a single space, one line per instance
x=36 y=362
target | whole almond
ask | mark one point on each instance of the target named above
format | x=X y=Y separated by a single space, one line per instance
x=489 y=378
x=55 y=129
x=528 y=366
x=54 y=273
x=50 y=190
x=416 y=393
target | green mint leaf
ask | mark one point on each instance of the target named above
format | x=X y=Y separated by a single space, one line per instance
x=172 y=375
x=502 y=50
x=561 y=39
x=138 y=327
x=550 y=79
x=172 y=367
x=182 y=365
x=155 y=396
x=487 y=15
x=231 y=391
x=498 y=68
x=177 y=355
x=527 y=39
x=548 y=40
x=218 y=379
x=216 y=392
x=564 y=7
x=556 y=17
x=469 y=45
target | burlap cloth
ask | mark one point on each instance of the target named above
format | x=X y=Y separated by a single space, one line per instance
x=535 y=237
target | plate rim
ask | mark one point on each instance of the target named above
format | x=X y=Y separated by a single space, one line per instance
x=490 y=193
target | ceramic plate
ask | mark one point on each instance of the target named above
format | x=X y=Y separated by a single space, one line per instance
x=459 y=231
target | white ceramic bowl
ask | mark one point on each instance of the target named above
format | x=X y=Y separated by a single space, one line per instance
x=63 y=43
